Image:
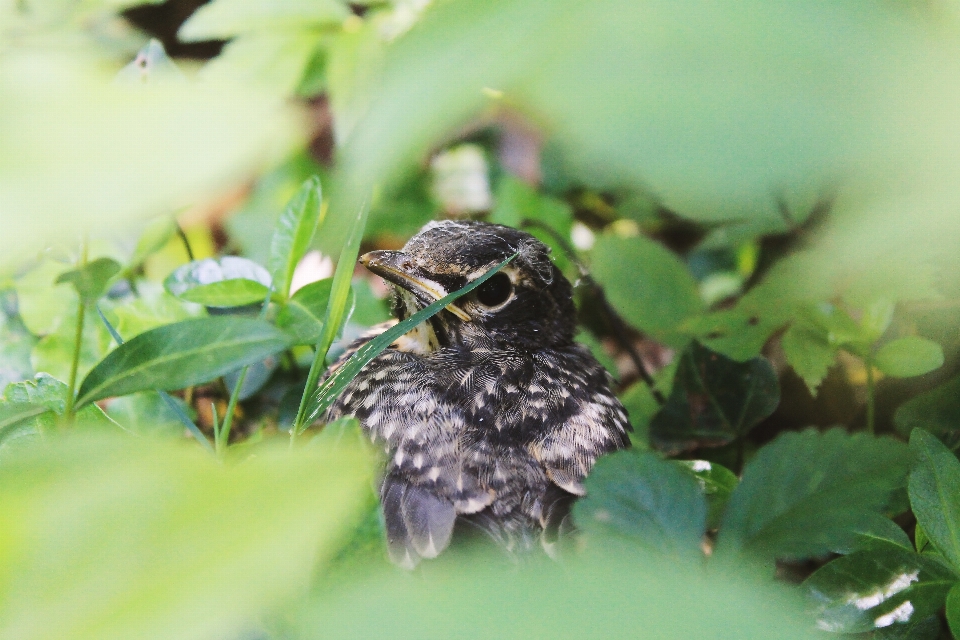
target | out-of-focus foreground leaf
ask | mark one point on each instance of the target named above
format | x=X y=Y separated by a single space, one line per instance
x=120 y=538
x=613 y=594
x=807 y=493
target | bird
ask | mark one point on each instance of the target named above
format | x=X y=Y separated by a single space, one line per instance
x=489 y=414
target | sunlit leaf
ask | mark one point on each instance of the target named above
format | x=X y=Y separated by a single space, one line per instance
x=807 y=493
x=935 y=493
x=182 y=354
x=293 y=233
x=909 y=356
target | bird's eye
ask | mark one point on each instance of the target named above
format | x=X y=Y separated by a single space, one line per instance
x=495 y=291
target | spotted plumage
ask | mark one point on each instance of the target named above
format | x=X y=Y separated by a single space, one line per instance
x=490 y=412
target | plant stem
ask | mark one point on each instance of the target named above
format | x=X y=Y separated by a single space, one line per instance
x=871 y=393
x=224 y=438
x=77 y=343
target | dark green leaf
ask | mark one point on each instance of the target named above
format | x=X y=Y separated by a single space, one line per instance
x=181 y=354
x=342 y=376
x=877 y=588
x=650 y=286
x=809 y=353
x=935 y=493
x=302 y=315
x=909 y=356
x=646 y=499
x=225 y=282
x=937 y=410
x=807 y=493
x=739 y=334
x=953 y=609
x=717 y=484
x=876 y=531
x=92 y=279
x=294 y=231
x=114 y=538
x=714 y=400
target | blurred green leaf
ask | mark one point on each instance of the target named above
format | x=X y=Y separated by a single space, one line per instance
x=809 y=492
x=607 y=593
x=223 y=282
x=152 y=65
x=146 y=413
x=647 y=284
x=222 y=19
x=42 y=304
x=953 y=609
x=369 y=309
x=935 y=493
x=16 y=344
x=937 y=410
x=302 y=315
x=717 y=484
x=321 y=399
x=909 y=356
x=182 y=354
x=650 y=501
x=156 y=234
x=809 y=353
x=152 y=307
x=121 y=538
x=877 y=588
x=714 y=400
x=877 y=531
x=53 y=353
x=294 y=231
x=34 y=406
x=739 y=334
x=91 y=280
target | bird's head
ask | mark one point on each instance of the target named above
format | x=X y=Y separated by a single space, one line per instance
x=528 y=305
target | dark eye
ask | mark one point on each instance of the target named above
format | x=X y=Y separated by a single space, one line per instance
x=495 y=291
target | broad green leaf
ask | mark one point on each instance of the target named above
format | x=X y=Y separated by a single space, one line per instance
x=809 y=353
x=342 y=375
x=909 y=356
x=921 y=541
x=645 y=499
x=116 y=538
x=809 y=492
x=146 y=413
x=714 y=400
x=739 y=334
x=222 y=19
x=302 y=315
x=182 y=354
x=953 y=609
x=877 y=531
x=935 y=493
x=91 y=280
x=877 y=588
x=717 y=484
x=647 y=284
x=937 y=410
x=293 y=234
x=605 y=593
x=225 y=282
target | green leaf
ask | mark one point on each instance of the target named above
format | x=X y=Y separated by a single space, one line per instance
x=222 y=19
x=153 y=307
x=935 y=493
x=16 y=343
x=146 y=413
x=877 y=531
x=937 y=410
x=809 y=492
x=115 y=538
x=909 y=356
x=34 y=406
x=92 y=279
x=156 y=234
x=645 y=499
x=342 y=375
x=739 y=334
x=717 y=484
x=294 y=231
x=953 y=609
x=41 y=303
x=604 y=593
x=714 y=400
x=650 y=286
x=877 y=588
x=809 y=353
x=302 y=315
x=225 y=282
x=181 y=354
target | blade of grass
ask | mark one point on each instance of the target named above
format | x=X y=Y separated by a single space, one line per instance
x=167 y=398
x=339 y=291
x=340 y=378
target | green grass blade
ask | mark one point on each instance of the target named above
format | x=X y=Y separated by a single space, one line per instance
x=337 y=382
x=336 y=307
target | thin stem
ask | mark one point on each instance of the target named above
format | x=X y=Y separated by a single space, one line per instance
x=185 y=241
x=77 y=344
x=224 y=438
x=871 y=393
x=216 y=427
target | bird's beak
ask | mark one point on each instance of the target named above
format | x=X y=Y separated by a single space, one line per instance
x=398 y=268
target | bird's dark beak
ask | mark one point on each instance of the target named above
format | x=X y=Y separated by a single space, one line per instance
x=398 y=268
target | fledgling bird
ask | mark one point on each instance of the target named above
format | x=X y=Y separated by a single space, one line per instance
x=490 y=413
